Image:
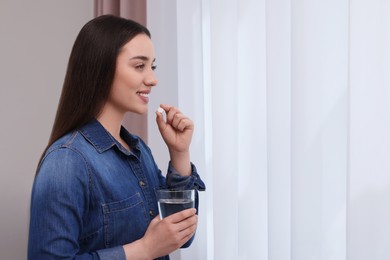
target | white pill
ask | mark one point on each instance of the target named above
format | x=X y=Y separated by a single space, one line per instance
x=160 y=110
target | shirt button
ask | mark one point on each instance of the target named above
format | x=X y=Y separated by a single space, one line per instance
x=151 y=213
x=141 y=183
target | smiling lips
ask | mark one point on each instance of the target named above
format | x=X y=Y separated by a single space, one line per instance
x=144 y=96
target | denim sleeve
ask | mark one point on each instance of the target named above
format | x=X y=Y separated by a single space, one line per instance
x=60 y=197
x=176 y=181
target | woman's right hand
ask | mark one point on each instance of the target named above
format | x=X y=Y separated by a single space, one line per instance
x=164 y=236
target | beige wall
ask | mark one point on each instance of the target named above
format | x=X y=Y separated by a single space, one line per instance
x=35 y=41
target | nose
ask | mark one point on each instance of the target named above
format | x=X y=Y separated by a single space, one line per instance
x=151 y=79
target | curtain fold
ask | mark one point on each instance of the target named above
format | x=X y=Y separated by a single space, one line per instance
x=279 y=125
x=369 y=180
x=319 y=129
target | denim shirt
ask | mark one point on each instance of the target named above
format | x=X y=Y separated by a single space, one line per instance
x=91 y=195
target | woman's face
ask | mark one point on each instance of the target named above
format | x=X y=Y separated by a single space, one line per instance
x=134 y=77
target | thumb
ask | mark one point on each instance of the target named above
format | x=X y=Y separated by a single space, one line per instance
x=155 y=221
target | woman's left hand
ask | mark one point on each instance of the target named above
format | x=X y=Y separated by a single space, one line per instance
x=177 y=130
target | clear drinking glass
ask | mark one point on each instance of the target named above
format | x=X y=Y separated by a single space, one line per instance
x=172 y=201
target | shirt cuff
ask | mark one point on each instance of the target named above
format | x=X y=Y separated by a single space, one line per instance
x=177 y=181
x=112 y=253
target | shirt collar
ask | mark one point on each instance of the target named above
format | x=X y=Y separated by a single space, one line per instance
x=102 y=140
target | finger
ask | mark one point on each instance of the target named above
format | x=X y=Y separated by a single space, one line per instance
x=186 y=234
x=155 y=221
x=165 y=107
x=161 y=111
x=185 y=123
x=188 y=237
x=171 y=113
x=187 y=224
x=177 y=118
x=182 y=215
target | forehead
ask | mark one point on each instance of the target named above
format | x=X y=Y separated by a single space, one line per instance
x=140 y=45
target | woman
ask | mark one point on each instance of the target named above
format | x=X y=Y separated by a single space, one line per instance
x=94 y=192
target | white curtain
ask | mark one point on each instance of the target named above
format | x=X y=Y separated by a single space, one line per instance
x=291 y=101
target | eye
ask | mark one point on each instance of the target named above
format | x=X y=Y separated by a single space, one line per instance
x=154 y=67
x=140 y=66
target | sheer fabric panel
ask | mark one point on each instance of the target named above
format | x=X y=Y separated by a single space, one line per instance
x=290 y=100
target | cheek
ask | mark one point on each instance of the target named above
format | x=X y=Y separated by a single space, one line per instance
x=120 y=84
x=126 y=80
x=118 y=89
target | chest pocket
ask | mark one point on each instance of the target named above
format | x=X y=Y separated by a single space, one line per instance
x=124 y=221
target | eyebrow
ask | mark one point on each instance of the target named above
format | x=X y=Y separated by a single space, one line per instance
x=140 y=57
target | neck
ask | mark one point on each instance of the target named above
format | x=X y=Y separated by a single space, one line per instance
x=111 y=122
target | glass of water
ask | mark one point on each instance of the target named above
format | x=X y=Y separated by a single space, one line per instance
x=172 y=201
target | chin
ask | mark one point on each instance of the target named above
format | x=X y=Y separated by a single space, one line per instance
x=140 y=111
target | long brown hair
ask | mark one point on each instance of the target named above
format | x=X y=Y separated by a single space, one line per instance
x=90 y=72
